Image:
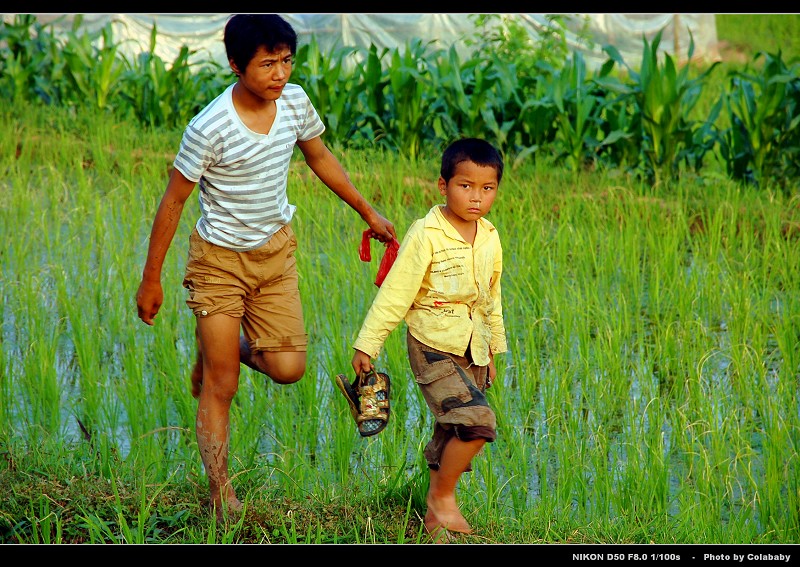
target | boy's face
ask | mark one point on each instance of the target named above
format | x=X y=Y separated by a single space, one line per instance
x=267 y=73
x=471 y=191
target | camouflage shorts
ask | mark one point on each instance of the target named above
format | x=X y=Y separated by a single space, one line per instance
x=454 y=390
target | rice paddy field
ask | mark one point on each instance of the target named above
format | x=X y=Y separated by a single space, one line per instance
x=649 y=395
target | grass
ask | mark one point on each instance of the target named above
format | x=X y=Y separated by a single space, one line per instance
x=649 y=395
x=743 y=35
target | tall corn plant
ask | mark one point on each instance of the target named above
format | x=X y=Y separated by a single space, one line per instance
x=577 y=117
x=330 y=82
x=534 y=130
x=593 y=125
x=504 y=114
x=763 y=141
x=18 y=62
x=408 y=97
x=665 y=97
x=620 y=124
x=521 y=116
x=162 y=96
x=31 y=65
x=463 y=93
x=483 y=97
x=473 y=96
x=395 y=101
x=93 y=71
x=372 y=101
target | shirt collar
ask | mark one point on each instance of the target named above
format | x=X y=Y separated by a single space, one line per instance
x=436 y=219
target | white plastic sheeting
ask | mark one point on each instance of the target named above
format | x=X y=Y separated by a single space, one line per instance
x=202 y=33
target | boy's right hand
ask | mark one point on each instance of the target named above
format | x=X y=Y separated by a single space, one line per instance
x=380 y=228
x=149 y=298
x=361 y=363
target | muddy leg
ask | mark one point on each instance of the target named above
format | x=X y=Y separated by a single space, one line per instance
x=219 y=338
x=443 y=511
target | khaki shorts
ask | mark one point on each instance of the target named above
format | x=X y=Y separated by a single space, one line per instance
x=259 y=286
x=454 y=390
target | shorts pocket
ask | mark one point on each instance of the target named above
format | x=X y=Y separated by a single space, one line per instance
x=443 y=386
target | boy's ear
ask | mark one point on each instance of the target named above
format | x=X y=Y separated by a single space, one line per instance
x=442 y=186
x=234 y=68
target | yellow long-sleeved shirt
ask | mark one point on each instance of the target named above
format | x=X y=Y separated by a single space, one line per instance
x=446 y=290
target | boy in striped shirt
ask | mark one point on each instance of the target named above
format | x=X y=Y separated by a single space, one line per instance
x=241 y=271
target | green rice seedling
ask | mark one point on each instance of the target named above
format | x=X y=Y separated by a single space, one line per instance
x=515 y=485
x=775 y=431
x=37 y=336
x=649 y=394
x=88 y=366
x=648 y=453
x=46 y=527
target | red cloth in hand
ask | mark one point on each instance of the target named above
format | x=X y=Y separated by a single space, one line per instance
x=389 y=256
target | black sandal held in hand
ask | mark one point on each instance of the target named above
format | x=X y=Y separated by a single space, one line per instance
x=368 y=398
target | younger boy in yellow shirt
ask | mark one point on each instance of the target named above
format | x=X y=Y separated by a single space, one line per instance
x=445 y=284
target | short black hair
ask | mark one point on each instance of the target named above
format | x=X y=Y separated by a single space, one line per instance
x=245 y=33
x=475 y=150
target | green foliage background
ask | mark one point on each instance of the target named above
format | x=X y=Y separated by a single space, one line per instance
x=533 y=99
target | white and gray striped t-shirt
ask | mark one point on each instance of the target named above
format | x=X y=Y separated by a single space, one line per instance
x=242 y=174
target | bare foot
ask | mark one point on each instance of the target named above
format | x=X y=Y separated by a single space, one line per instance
x=444 y=513
x=439 y=534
